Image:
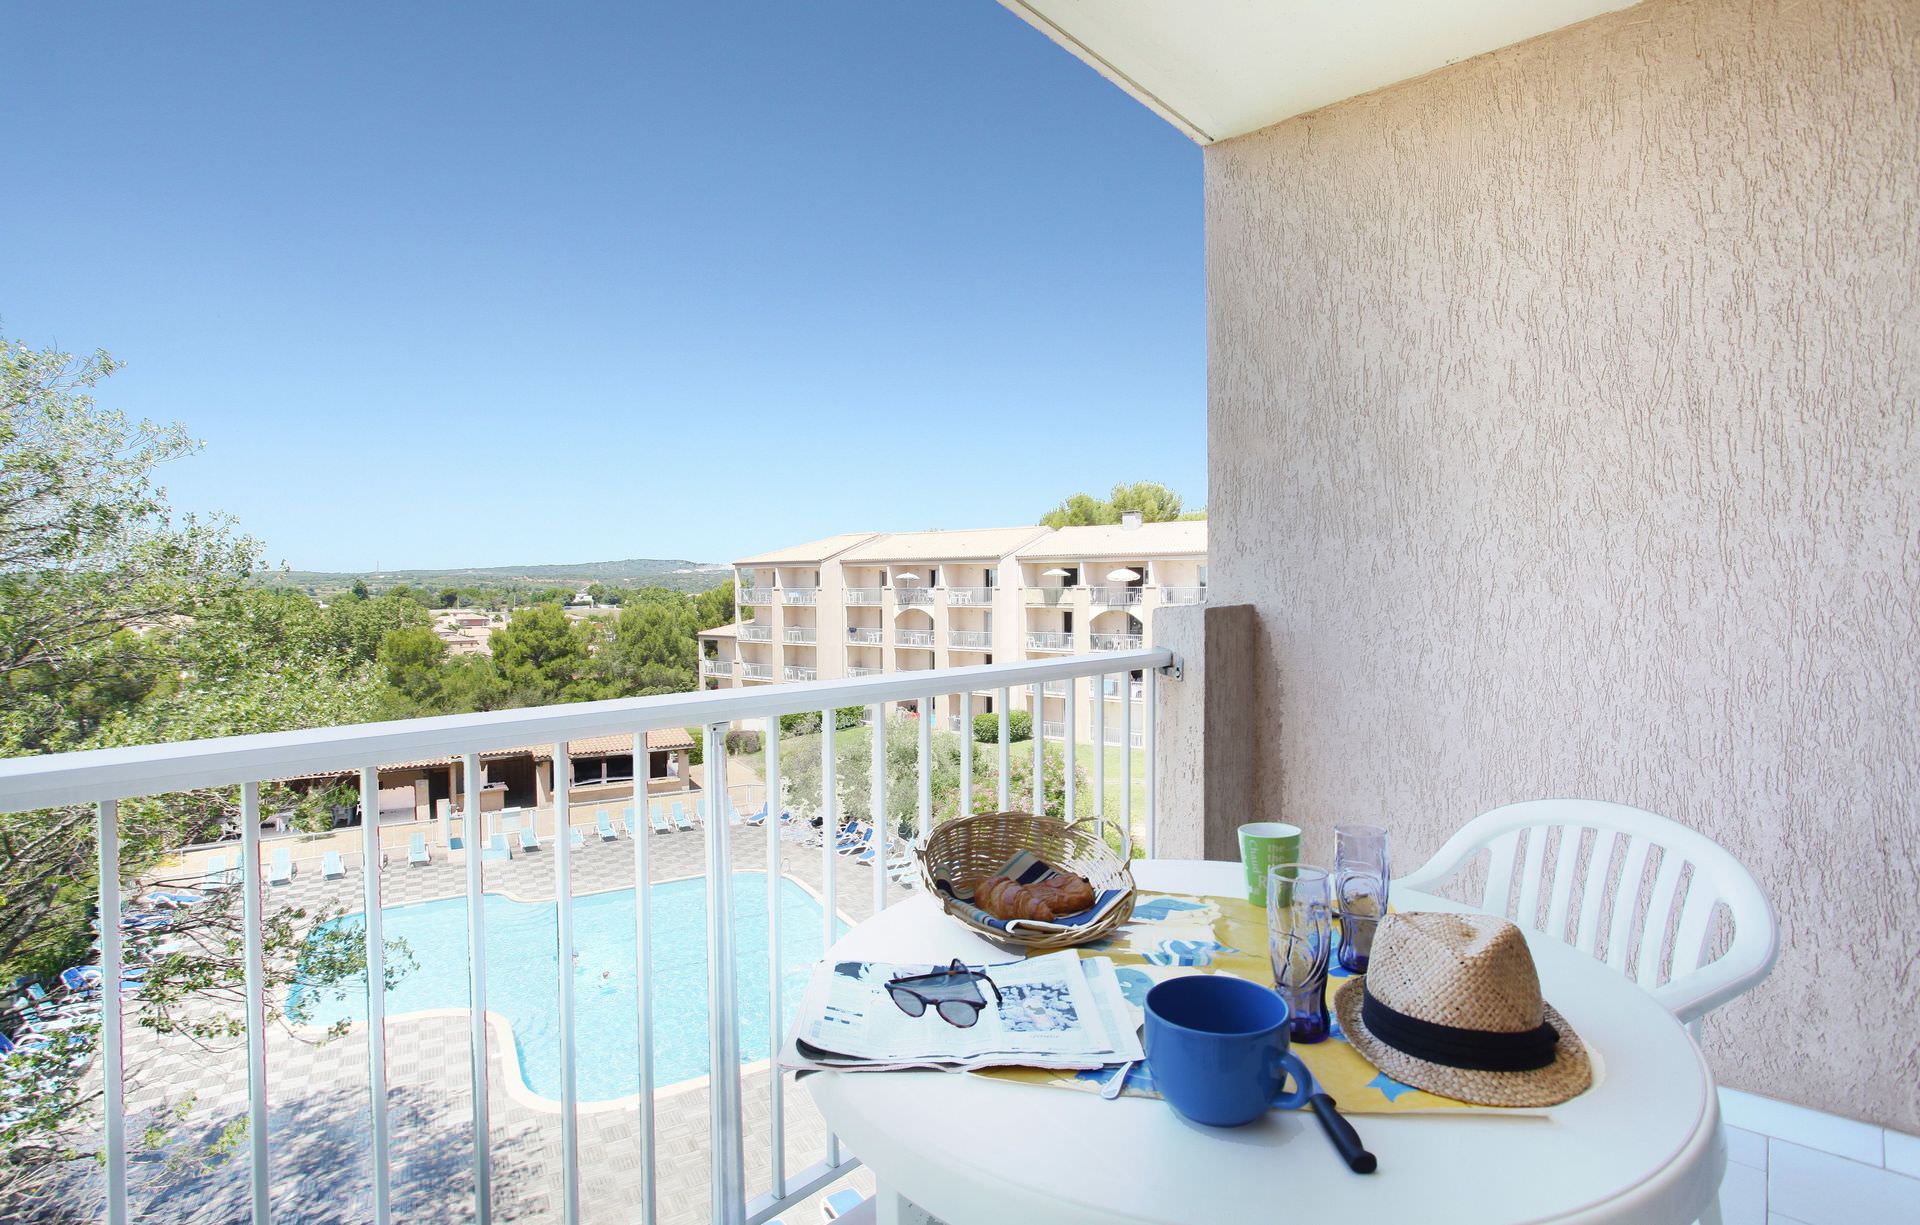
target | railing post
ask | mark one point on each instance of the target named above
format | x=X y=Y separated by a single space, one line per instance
x=881 y=833
x=563 y=900
x=474 y=837
x=643 y=956
x=253 y=941
x=776 y=1122
x=1126 y=751
x=727 y=1184
x=1039 y=749
x=829 y=858
x=1100 y=752
x=1006 y=697
x=1069 y=751
x=376 y=991
x=1152 y=718
x=112 y=1033
x=966 y=753
x=926 y=765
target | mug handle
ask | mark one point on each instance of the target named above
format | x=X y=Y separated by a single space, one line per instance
x=1302 y=1081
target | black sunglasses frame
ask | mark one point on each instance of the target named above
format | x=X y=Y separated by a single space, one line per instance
x=900 y=991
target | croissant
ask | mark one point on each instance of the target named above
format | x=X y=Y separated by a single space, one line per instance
x=1007 y=899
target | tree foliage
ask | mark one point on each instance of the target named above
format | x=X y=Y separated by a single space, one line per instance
x=1155 y=502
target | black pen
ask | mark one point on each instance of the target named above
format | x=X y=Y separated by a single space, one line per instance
x=1346 y=1141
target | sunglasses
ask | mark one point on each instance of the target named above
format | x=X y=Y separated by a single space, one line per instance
x=953 y=993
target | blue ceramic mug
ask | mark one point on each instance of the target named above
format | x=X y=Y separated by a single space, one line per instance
x=1217 y=1048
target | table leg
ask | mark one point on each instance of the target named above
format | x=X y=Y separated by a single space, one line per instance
x=892 y=1208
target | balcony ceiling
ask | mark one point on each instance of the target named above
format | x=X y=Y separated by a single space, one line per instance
x=1222 y=68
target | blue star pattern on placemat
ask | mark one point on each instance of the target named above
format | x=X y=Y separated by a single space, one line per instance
x=1187 y=952
x=1390 y=1088
x=1155 y=909
x=1134 y=985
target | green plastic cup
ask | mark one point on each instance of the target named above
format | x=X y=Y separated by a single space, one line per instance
x=1264 y=845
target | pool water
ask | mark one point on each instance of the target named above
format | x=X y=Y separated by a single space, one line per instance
x=522 y=986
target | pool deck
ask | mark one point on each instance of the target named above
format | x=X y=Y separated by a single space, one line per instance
x=319 y=1113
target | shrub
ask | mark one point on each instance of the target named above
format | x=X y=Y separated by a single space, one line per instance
x=743 y=740
x=848 y=716
x=699 y=753
x=986 y=728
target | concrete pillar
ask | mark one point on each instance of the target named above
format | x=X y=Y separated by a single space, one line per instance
x=1206 y=742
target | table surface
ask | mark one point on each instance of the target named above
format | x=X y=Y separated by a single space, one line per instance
x=1643 y=1145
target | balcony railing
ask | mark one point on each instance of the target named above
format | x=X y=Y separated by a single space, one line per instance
x=913 y=638
x=860 y=636
x=716 y=667
x=1049 y=640
x=1055 y=689
x=970 y=640
x=794 y=672
x=912 y=595
x=969 y=597
x=271 y=1153
x=1049 y=597
x=1183 y=595
x=865 y=671
x=1117 y=597
x=754 y=596
x=1135 y=739
x=1111 y=689
x=1051 y=730
x=756 y=672
x=863 y=595
x=805 y=635
x=800 y=595
x=1116 y=642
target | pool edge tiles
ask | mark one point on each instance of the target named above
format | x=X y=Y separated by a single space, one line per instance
x=523 y=983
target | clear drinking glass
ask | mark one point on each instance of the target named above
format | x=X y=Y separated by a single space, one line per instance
x=1360 y=875
x=1300 y=941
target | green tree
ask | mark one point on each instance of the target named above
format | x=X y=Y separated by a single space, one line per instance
x=412 y=664
x=1155 y=502
x=714 y=606
x=542 y=656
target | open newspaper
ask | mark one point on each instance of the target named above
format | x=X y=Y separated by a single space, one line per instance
x=1056 y=1011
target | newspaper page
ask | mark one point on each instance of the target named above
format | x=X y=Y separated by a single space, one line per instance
x=1038 y=1012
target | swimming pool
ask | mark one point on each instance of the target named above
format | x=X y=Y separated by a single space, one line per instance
x=522 y=986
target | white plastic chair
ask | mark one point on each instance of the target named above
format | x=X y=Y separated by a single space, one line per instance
x=1695 y=985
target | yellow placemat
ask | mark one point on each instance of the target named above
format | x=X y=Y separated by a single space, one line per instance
x=1174 y=934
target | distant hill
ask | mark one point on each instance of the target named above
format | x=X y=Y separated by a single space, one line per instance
x=633 y=572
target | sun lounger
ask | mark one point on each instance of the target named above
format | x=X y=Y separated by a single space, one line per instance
x=497 y=850
x=680 y=816
x=417 y=851
x=626 y=820
x=174 y=898
x=758 y=818
x=575 y=838
x=529 y=841
x=840 y=1203
x=605 y=826
x=216 y=877
x=658 y=819
x=330 y=866
x=282 y=870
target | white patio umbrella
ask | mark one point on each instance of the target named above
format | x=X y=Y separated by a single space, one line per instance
x=1122 y=575
x=906 y=578
x=1056 y=572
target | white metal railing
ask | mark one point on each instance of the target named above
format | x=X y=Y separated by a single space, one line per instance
x=865 y=671
x=756 y=672
x=970 y=640
x=912 y=595
x=863 y=595
x=1117 y=597
x=716 y=667
x=102 y=778
x=1111 y=689
x=801 y=595
x=756 y=633
x=1049 y=597
x=861 y=636
x=1052 y=730
x=1055 y=689
x=1115 y=642
x=795 y=672
x=913 y=638
x=1049 y=640
x=1134 y=739
x=1183 y=595
x=753 y=596
x=802 y=634
x=969 y=597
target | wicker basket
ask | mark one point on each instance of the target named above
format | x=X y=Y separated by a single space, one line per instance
x=971 y=847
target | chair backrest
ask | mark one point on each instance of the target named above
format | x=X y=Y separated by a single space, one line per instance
x=1619 y=841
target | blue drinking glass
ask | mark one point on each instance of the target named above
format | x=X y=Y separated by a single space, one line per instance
x=1300 y=941
x=1360 y=875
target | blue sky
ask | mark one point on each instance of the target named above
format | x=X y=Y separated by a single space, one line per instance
x=447 y=285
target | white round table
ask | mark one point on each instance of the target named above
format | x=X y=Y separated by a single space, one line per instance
x=1643 y=1145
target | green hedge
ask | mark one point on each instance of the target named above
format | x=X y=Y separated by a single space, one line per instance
x=986 y=728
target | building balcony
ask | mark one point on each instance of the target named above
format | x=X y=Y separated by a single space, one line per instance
x=582 y=1063
x=855 y=672
x=753 y=597
x=716 y=667
x=802 y=635
x=756 y=672
x=969 y=597
x=795 y=672
x=905 y=596
x=860 y=636
x=1050 y=597
x=970 y=640
x=756 y=633
x=1049 y=640
x=800 y=595
x=1052 y=730
x=1135 y=739
x=863 y=595
x=1115 y=642
x=1183 y=595
x=1111 y=689
x=1117 y=597
x=913 y=638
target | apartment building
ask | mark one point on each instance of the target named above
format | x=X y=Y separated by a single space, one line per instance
x=861 y=604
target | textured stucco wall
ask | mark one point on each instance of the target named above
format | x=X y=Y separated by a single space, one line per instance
x=1563 y=431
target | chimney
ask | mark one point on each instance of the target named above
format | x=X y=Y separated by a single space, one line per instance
x=1130 y=519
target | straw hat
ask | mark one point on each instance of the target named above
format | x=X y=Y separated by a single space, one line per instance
x=1451 y=1004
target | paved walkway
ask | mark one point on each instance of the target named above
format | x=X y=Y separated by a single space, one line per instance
x=318 y=1093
